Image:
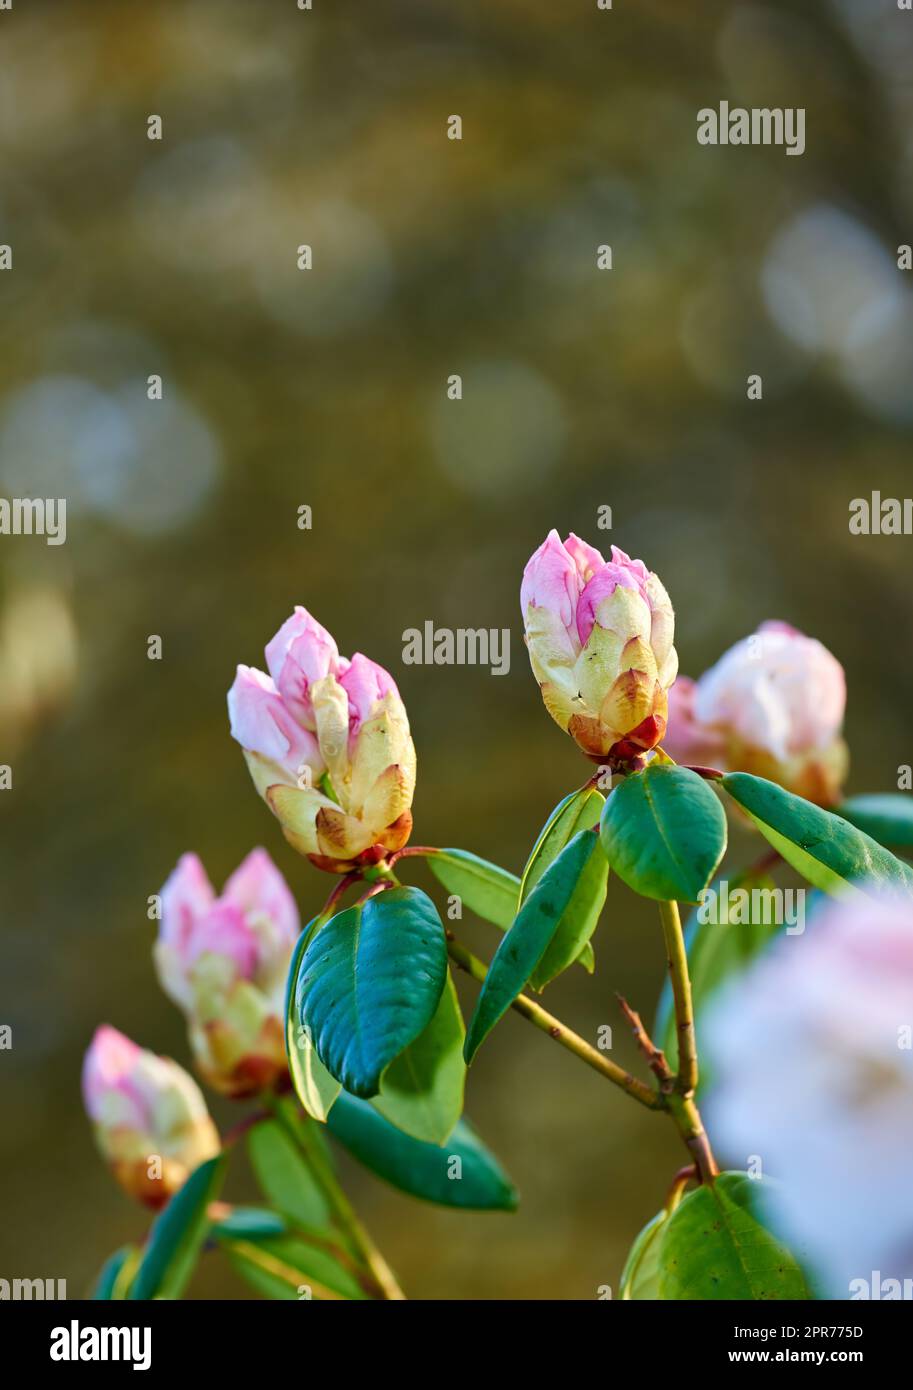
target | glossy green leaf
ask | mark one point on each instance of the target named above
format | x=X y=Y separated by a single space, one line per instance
x=250 y=1223
x=578 y=920
x=288 y=1268
x=578 y=811
x=715 y=1246
x=825 y=849
x=177 y=1235
x=587 y=957
x=524 y=945
x=461 y=1173
x=664 y=832
x=284 y=1177
x=116 y=1273
x=719 y=951
x=370 y=982
x=421 y=1092
x=640 y=1276
x=887 y=818
x=314 y=1086
x=488 y=891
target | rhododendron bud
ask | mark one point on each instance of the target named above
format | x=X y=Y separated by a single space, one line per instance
x=224 y=961
x=600 y=636
x=773 y=705
x=150 y=1118
x=812 y=1063
x=343 y=725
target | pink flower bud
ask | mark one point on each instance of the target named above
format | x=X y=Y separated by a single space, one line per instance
x=812 y=1067
x=600 y=637
x=150 y=1119
x=772 y=705
x=224 y=963
x=341 y=722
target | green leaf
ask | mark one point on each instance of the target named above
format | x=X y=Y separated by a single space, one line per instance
x=825 y=849
x=640 y=1276
x=282 y=1267
x=717 y=951
x=116 y=1273
x=886 y=818
x=424 y=1170
x=250 y=1223
x=525 y=944
x=489 y=892
x=314 y=1086
x=422 y=1091
x=664 y=832
x=714 y=1246
x=587 y=957
x=579 y=811
x=578 y=920
x=370 y=982
x=284 y=1177
x=177 y=1235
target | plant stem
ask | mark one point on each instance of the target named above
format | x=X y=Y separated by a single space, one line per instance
x=680 y=1098
x=677 y=958
x=383 y=1277
x=677 y=1189
x=687 y=1119
x=547 y=1023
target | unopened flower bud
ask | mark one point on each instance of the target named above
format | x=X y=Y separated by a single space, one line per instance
x=600 y=636
x=150 y=1118
x=342 y=723
x=224 y=961
x=773 y=705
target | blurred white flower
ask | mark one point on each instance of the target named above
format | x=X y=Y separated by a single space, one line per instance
x=813 y=1073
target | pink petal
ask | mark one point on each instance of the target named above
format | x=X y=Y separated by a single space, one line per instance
x=224 y=931
x=366 y=684
x=187 y=895
x=108 y=1061
x=262 y=723
x=602 y=585
x=300 y=653
x=551 y=580
x=257 y=886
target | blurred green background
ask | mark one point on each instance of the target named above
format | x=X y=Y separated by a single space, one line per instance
x=581 y=389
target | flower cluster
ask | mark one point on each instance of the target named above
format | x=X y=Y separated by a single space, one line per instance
x=807 y=1054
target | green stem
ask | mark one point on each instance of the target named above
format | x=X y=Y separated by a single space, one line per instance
x=677 y=958
x=680 y=1098
x=547 y=1023
x=301 y=1134
x=688 y=1121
